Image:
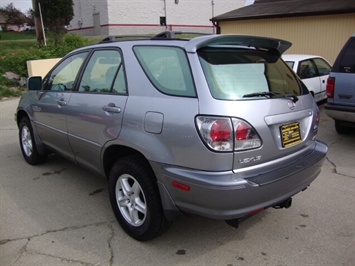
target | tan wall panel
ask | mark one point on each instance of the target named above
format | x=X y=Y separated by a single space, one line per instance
x=319 y=35
x=40 y=67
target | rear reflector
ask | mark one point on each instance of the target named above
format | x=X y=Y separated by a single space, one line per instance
x=180 y=186
x=255 y=211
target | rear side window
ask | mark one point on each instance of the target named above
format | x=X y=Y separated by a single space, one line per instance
x=233 y=73
x=322 y=66
x=167 y=68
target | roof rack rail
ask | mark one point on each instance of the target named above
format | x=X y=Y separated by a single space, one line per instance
x=123 y=37
x=171 y=34
x=165 y=35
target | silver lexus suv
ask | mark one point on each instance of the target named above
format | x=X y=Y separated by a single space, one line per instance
x=216 y=125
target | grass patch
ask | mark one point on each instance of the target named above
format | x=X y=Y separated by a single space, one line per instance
x=23 y=35
x=12 y=47
x=6 y=91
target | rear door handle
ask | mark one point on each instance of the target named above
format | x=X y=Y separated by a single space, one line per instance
x=111 y=108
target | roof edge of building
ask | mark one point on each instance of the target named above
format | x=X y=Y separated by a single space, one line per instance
x=295 y=14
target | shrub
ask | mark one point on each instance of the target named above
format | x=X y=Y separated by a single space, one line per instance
x=16 y=62
x=73 y=41
x=6 y=91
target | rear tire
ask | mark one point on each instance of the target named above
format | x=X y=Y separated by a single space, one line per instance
x=28 y=144
x=135 y=199
x=341 y=129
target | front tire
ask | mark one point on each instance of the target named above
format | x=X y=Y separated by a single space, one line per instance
x=28 y=144
x=135 y=199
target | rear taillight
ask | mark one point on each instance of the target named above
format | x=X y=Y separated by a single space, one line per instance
x=227 y=134
x=220 y=131
x=245 y=136
x=316 y=121
x=216 y=132
x=330 y=87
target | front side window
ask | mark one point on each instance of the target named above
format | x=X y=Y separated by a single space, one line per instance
x=233 y=74
x=104 y=73
x=63 y=76
x=167 y=68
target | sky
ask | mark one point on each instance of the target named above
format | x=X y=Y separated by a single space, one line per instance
x=22 y=5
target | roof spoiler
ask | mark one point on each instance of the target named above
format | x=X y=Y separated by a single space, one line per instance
x=276 y=46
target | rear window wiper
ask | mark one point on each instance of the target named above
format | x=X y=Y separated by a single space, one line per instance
x=270 y=94
x=267 y=94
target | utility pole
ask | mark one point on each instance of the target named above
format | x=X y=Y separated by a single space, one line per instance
x=38 y=24
x=212 y=4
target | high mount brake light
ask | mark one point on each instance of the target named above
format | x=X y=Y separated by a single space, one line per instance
x=227 y=134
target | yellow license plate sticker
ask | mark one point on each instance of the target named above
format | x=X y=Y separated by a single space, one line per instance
x=290 y=134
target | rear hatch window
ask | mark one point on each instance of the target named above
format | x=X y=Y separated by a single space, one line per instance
x=346 y=61
x=238 y=74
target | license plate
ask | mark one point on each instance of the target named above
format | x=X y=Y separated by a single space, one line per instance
x=290 y=134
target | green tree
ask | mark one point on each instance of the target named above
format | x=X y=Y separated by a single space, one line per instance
x=12 y=15
x=56 y=14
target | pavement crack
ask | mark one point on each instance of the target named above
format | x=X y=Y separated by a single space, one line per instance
x=58 y=172
x=109 y=242
x=69 y=228
x=334 y=169
x=62 y=259
x=4 y=241
x=22 y=251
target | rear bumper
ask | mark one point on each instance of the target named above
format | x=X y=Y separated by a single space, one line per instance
x=227 y=195
x=340 y=112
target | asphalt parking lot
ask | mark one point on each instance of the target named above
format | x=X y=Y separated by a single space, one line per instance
x=59 y=214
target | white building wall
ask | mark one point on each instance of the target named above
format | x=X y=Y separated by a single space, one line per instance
x=84 y=10
x=143 y=16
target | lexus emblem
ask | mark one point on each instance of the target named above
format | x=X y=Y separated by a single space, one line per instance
x=291 y=104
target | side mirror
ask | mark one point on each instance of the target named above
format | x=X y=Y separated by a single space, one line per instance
x=34 y=83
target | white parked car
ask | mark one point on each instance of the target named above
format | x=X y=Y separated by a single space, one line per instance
x=313 y=70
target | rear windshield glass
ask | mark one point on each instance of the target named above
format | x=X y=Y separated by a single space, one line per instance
x=347 y=64
x=232 y=74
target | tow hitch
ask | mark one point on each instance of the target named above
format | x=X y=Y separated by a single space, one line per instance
x=235 y=222
x=285 y=204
